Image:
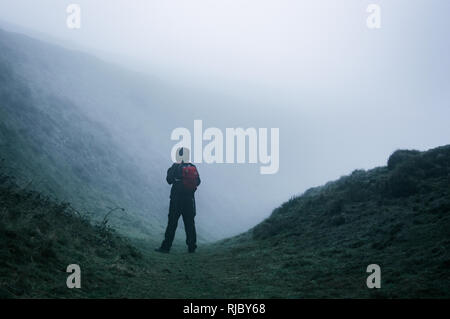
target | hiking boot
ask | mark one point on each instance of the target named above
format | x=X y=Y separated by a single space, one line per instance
x=162 y=250
x=191 y=250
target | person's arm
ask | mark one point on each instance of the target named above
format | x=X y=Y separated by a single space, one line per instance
x=198 y=178
x=171 y=175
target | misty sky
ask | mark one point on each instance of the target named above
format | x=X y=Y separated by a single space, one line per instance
x=279 y=44
x=344 y=96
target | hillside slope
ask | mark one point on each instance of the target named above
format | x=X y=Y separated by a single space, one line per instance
x=47 y=143
x=317 y=245
x=98 y=136
x=50 y=142
x=39 y=238
x=71 y=126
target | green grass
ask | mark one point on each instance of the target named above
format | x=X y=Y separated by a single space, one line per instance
x=317 y=245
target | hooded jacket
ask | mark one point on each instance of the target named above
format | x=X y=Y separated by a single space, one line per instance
x=174 y=175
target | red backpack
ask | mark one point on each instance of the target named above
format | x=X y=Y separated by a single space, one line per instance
x=189 y=177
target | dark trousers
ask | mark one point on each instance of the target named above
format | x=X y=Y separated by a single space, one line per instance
x=186 y=208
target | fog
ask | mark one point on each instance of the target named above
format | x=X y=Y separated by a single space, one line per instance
x=343 y=96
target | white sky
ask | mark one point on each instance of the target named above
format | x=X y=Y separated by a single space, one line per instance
x=268 y=41
x=298 y=53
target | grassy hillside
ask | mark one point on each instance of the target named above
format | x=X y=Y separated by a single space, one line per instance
x=63 y=154
x=315 y=245
x=90 y=133
x=39 y=238
x=48 y=142
x=319 y=244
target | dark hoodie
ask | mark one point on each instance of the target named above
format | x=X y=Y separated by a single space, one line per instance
x=174 y=175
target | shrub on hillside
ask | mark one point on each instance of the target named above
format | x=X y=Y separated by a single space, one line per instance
x=399 y=157
x=401 y=184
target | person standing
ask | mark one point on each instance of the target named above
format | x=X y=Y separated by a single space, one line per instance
x=184 y=178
